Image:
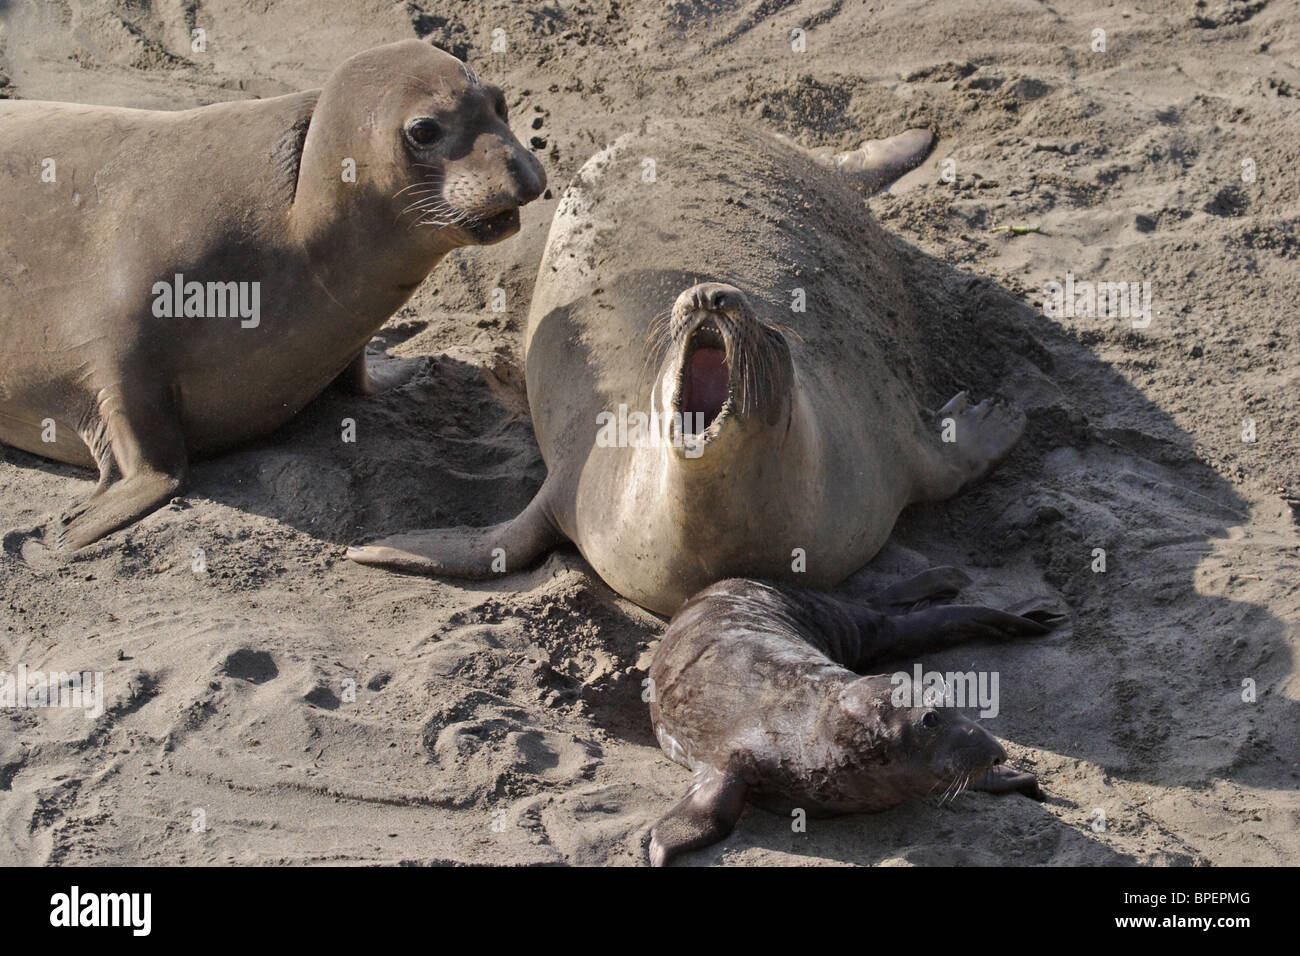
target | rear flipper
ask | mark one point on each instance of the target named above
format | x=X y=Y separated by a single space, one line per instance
x=878 y=162
x=704 y=816
x=931 y=629
x=936 y=628
x=136 y=439
x=1002 y=779
x=474 y=553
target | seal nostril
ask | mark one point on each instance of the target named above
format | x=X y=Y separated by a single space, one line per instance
x=530 y=179
x=529 y=190
x=719 y=301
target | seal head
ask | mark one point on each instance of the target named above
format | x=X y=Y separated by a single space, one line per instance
x=436 y=152
x=726 y=372
x=892 y=754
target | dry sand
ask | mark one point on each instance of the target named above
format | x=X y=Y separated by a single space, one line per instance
x=502 y=722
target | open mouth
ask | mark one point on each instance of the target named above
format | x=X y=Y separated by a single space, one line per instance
x=705 y=388
x=495 y=227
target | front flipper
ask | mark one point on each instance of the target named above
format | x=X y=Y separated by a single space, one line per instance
x=474 y=553
x=704 y=816
x=974 y=439
x=136 y=438
x=1002 y=779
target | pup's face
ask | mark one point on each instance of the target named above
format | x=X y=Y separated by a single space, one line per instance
x=904 y=752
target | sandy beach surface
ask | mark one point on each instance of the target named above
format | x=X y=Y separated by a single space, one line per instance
x=304 y=709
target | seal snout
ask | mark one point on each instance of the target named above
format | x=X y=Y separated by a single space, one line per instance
x=715 y=297
x=528 y=175
x=978 y=748
x=704 y=316
x=729 y=364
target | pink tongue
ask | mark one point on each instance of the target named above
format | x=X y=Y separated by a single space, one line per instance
x=706 y=384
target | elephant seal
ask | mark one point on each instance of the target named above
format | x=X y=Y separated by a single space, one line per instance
x=753 y=690
x=176 y=283
x=793 y=435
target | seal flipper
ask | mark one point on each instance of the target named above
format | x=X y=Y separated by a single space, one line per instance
x=981 y=437
x=931 y=585
x=918 y=632
x=936 y=628
x=474 y=553
x=140 y=449
x=878 y=162
x=1003 y=779
x=704 y=816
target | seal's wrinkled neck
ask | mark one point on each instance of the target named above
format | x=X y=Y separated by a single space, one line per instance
x=342 y=209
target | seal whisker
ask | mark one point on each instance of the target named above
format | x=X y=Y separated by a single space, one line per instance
x=437 y=211
x=423 y=186
x=961 y=787
x=785 y=328
x=658 y=339
x=422 y=202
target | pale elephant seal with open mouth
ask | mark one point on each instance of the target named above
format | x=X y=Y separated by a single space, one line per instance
x=785 y=434
x=176 y=283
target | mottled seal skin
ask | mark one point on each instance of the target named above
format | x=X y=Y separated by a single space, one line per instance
x=256 y=191
x=675 y=298
x=755 y=689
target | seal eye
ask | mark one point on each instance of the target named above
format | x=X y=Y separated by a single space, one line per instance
x=931 y=719
x=424 y=131
x=499 y=104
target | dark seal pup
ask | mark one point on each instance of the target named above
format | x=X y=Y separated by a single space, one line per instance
x=176 y=283
x=753 y=688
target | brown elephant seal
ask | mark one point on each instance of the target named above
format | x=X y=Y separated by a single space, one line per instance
x=753 y=689
x=176 y=283
x=793 y=435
